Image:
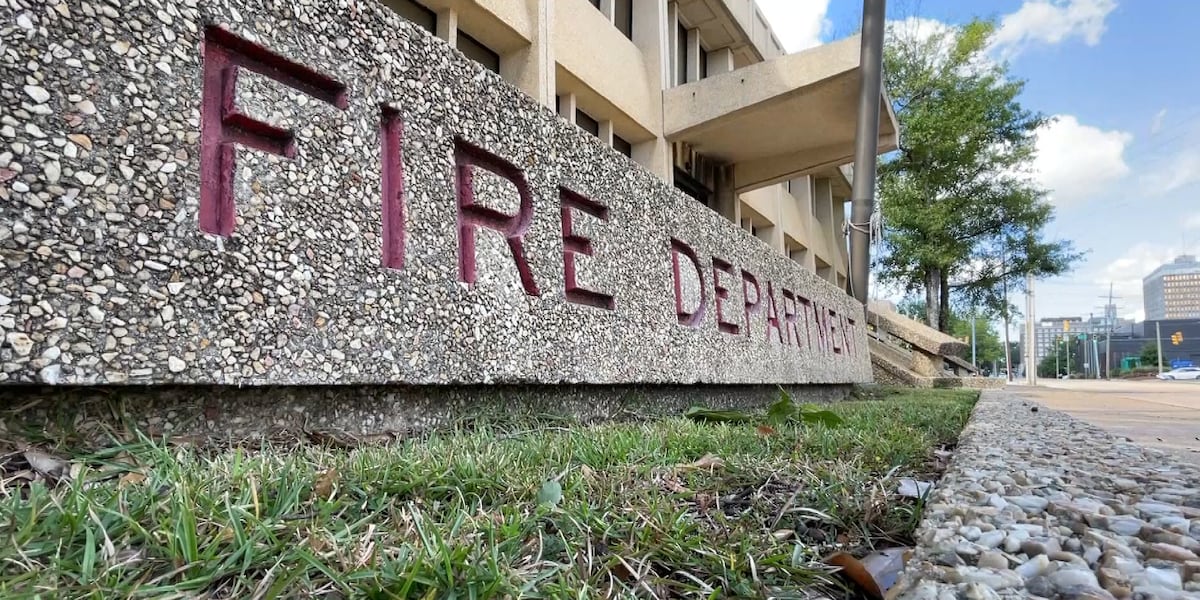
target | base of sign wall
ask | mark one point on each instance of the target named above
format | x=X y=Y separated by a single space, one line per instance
x=229 y=413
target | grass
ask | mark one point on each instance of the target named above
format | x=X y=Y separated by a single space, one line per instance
x=455 y=514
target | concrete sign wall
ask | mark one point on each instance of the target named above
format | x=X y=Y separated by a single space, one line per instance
x=302 y=192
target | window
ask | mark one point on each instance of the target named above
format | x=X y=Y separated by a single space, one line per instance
x=622 y=146
x=692 y=187
x=587 y=123
x=596 y=3
x=623 y=16
x=478 y=52
x=416 y=14
x=681 y=54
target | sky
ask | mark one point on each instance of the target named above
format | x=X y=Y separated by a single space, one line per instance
x=1121 y=158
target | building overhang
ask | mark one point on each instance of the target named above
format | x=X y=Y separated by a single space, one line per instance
x=778 y=119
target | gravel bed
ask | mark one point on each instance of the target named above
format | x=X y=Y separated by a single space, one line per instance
x=1038 y=504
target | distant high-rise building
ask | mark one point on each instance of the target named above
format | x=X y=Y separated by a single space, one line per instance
x=1172 y=291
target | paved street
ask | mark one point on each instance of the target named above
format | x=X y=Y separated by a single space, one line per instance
x=1159 y=414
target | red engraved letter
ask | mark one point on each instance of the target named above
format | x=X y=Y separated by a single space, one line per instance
x=748 y=279
x=849 y=327
x=223 y=126
x=687 y=319
x=472 y=216
x=576 y=244
x=834 y=336
x=722 y=294
x=391 y=131
x=790 y=326
x=807 y=308
x=773 y=314
x=819 y=318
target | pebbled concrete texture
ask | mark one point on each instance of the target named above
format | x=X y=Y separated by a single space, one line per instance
x=107 y=278
x=1038 y=504
x=222 y=414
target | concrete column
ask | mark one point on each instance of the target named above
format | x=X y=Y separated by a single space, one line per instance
x=607 y=7
x=567 y=107
x=532 y=68
x=726 y=197
x=720 y=61
x=695 y=55
x=652 y=36
x=606 y=133
x=447 y=26
x=671 y=57
x=823 y=198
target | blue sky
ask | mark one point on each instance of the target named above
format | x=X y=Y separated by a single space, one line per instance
x=1122 y=158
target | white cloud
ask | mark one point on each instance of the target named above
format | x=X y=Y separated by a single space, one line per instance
x=1052 y=22
x=1157 y=123
x=1176 y=172
x=1076 y=162
x=1192 y=222
x=798 y=25
x=1126 y=273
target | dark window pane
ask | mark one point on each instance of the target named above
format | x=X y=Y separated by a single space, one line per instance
x=415 y=13
x=596 y=3
x=478 y=52
x=622 y=146
x=587 y=123
x=692 y=187
x=703 y=64
x=681 y=55
x=623 y=17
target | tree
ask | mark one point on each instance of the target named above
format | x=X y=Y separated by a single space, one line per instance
x=961 y=214
x=1149 y=355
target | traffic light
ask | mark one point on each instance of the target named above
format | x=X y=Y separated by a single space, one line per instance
x=1177 y=338
x=1066 y=325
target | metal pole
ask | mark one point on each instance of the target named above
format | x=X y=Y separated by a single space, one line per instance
x=973 y=339
x=866 y=145
x=1030 y=332
x=1110 y=317
x=1007 y=345
x=1158 y=336
x=1057 y=368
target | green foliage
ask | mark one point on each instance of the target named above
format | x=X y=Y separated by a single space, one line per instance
x=450 y=514
x=781 y=412
x=961 y=214
x=551 y=493
x=1149 y=355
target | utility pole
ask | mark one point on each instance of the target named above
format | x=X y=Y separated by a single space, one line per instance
x=1158 y=336
x=1057 y=368
x=1007 y=350
x=973 y=338
x=866 y=146
x=1030 y=359
x=1110 y=318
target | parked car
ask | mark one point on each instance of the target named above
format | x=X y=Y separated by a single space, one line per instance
x=1181 y=373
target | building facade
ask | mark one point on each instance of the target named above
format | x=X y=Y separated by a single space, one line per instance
x=1172 y=291
x=699 y=92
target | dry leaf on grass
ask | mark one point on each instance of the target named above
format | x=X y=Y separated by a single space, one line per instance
x=765 y=430
x=708 y=462
x=131 y=478
x=323 y=488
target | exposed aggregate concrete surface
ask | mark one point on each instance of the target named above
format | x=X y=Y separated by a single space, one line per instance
x=1039 y=504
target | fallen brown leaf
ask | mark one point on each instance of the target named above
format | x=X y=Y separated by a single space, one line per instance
x=131 y=478
x=323 y=488
x=708 y=462
x=765 y=430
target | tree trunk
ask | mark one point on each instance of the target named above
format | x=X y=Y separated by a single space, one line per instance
x=933 y=296
x=944 y=304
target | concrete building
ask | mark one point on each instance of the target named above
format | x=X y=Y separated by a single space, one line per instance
x=699 y=92
x=1172 y=291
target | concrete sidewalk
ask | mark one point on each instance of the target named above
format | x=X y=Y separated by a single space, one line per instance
x=1157 y=414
